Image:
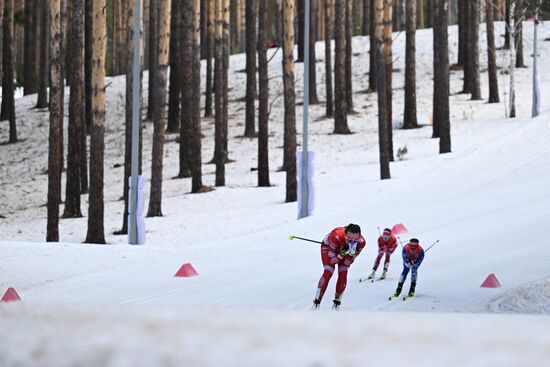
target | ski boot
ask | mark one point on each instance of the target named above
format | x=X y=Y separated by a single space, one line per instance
x=316 y=304
x=371 y=276
x=411 y=290
x=397 y=291
x=336 y=304
x=383 y=276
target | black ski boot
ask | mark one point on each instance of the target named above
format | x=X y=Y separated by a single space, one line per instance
x=411 y=290
x=316 y=304
x=397 y=291
x=336 y=304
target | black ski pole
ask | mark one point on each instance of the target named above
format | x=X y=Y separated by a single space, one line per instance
x=303 y=239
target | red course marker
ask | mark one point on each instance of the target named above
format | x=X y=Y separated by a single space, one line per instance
x=186 y=270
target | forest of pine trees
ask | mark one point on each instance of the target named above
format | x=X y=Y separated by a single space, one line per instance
x=48 y=45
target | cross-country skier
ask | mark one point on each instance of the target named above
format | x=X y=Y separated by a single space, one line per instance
x=340 y=247
x=413 y=254
x=387 y=243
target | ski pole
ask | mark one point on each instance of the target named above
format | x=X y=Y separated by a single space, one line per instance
x=378 y=228
x=432 y=245
x=303 y=239
x=401 y=243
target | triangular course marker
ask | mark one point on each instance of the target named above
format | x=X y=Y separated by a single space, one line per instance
x=186 y=270
x=399 y=229
x=490 y=282
x=10 y=296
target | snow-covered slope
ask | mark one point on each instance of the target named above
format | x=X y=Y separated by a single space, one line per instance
x=488 y=203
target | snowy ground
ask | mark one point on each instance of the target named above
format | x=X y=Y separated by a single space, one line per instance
x=488 y=203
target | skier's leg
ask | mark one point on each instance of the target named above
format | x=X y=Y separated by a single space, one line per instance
x=342 y=281
x=413 y=281
x=404 y=274
x=323 y=282
x=377 y=261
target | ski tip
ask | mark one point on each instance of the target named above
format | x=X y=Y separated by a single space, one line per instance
x=291 y=237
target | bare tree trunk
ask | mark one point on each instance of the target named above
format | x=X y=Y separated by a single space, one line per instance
x=461 y=32
x=474 y=47
x=56 y=120
x=420 y=14
x=187 y=34
x=382 y=118
x=409 y=114
x=29 y=78
x=8 y=87
x=290 y=101
x=389 y=71
x=329 y=25
x=349 y=55
x=372 y=43
x=512 y=55
x=153 y=59
x=1 y=39
x=43 y=78
x=441 y=76
x=519 y=35
x=366 y=18
x=313 y=22
x=96 y=231
x=507 y=21
x=88 y=45
x=251 y=43
x=340 y=99
x=430 y=6
x=491 y=53
x=263 y=116
x=174 y=94
x=163 y=42
x=300 y=15
x=129 y=104
x=209 y=55
x=77 y=126
x=467 y=51
x=196 y=144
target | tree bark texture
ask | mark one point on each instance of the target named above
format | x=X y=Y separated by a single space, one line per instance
x=340 y=99
x=187 y=97
x=43 y=77
x=491 y=53
x=349 y=56
x=251 y=43
x=77 y=125
x=56 y=122
x=441 y=76
x=8 y=87
x=388 y=70
x=313 y=23
x=372 y=42
x=96 y=231
x=29 y=77
x=382 y=118
x=196 y=143
x=290 y=101
x=174 y=93
x=409 y=115
x=474 y=47
x=152 y=55
x=263 y=114
x=209 y=56
x=329 y=25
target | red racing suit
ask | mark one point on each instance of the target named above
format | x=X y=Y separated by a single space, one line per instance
x=385 y=247
x=336 y=250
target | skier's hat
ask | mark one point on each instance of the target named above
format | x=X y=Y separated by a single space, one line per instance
x=414 y=241
x=387 y=231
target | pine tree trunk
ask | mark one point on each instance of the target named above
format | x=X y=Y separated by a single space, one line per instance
x=152 y=56
x=8 y=87
x=43 y=77
x=467 y=51
x=491 y=53
x=96 y=231
x=209 y=56
x=56 y=122
x=263 y=117
x=88 y=42
x=441 y=76
x=506 y=29
x=388 y=70
x=349 y=56
x=340 y=99
x=130 y=19
x=474 y=47
x=196 y=144
x=512 y=56
x=329 y=25
x=365 y=25
x=187 y=33
x=313 y=23
x=290 y=101
x=430 y=7
x=372 y=46
x=519 y=35
x=1 y=39
x=420 y=14
x=29 y=78
x=461 y=40
x=300 y=15
x=77 y=125
x=163 y=42
x=222 y=63
x=381 y=66
x=409 y=114
x=251 y=42
x=174 y=94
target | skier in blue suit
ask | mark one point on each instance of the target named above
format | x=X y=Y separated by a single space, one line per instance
x=413 y=255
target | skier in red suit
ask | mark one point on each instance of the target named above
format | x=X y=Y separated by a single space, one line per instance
x=340 y=247
x=387 y=243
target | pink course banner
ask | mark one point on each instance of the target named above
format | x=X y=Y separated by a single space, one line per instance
x=399 y=229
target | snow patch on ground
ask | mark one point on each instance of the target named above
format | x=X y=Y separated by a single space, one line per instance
x=531 y=298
